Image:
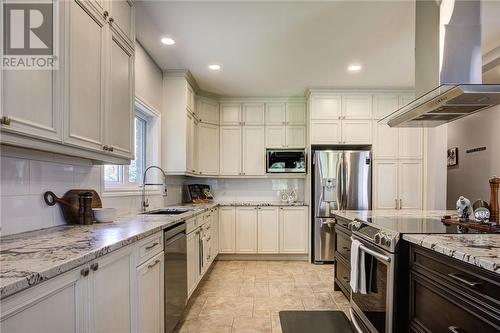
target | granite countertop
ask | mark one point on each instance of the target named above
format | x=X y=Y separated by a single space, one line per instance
x=30 y=258
x=481 y=250
x=364 y=214
x=261 y=203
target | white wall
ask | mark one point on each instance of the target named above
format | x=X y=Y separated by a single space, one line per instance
x=470 y=177
x=148 y=78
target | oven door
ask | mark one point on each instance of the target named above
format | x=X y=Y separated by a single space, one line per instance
x=286 y=161
x=376 y=308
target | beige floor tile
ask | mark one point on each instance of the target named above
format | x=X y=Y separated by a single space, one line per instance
x=258 y=289
x=228 y=306
x=222 y=289
x=194 y=307
x=276 y=324
x=339 y=297
x=207 y=325
x=321 y=287
x=322 y=301
x=251 y=325
x=289 y=289
x=266 y=306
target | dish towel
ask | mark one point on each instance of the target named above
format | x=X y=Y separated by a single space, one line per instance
x=358 y=270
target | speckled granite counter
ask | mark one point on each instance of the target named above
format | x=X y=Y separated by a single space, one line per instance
x=29 y=258
x=261 y=203
x=364 y=214
x=476 y=249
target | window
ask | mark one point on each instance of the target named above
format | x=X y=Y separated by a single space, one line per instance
x=129 y=177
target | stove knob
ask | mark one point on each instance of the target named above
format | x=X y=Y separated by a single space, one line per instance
x=377 y=238
x=387 y=240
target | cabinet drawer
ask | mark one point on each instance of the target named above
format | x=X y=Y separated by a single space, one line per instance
x=343 y=245
x=150 y=247
x=191 y=224
x=343 y=275
x=434 y=308
x=472 y=282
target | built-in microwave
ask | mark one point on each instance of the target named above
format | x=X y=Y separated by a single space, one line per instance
x=286 y=161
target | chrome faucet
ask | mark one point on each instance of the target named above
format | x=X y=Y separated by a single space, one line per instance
x=145 y=201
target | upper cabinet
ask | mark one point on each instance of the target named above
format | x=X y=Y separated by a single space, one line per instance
x=356 y=107
x=230 y=114
x=253 y=114
x=285 y=125
x=207 y=111
x=85 y=107
x=275 y=114
x=384 y=105
x=326 y=107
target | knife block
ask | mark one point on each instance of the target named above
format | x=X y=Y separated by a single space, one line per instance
x=494 y=210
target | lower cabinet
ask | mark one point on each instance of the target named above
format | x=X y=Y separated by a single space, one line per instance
x=150 y=295
x=227 y=227
x=193 y=260
x=268 y=230
x=246 y=229
x=342 y=260
x=293 y=230
x=215 y=232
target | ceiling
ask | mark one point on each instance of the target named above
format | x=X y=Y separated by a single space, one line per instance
x=281 y=48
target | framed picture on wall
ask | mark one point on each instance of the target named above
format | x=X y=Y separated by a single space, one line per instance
x=453 y=156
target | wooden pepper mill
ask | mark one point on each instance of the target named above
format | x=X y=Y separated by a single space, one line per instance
x=494 y=211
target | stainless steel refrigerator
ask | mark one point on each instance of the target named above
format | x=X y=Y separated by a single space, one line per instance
x=341 y=181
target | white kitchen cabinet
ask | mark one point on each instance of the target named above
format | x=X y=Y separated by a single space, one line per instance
x=326 y=107
x=191 y=143
x=193 y=260
x=397 y=184
x=293 y=113
x=121 y=19
x=295 y=136
x=411 y=141
x=268 y=230
x=384 y=105
x=190 y=99
x=275 y=114
x=246 y=230
x=208 y=149
x=112 y=286
x=410 y=184
x=253 y=151
x=52 y=306
x=215 y=232
x=227 y=230
x=385 y=141
x=276 y=136
x=356 y=131
x=230 y=150
x=253 y=114
x=207 y=111
x=296 y=113
x=356 y=107
x=230 y=114
x=405 y=99
x=326 y=132
x=119 y=123
x=150 y=295
x=293 y=230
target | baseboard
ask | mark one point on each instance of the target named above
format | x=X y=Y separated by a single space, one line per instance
x=258 y=257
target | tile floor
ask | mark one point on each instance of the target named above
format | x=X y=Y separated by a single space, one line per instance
x=246 y=296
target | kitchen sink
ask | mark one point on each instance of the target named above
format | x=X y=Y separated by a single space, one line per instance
x=167 y=211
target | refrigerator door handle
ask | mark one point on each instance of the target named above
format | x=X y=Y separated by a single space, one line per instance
x=340 y=186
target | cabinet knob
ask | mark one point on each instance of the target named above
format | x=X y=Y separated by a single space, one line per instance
x=94 y=266
x=85 y=271
x=111 y=20
x=111 y=148
x=5 y=120
x=105 y=148
x=105 y=14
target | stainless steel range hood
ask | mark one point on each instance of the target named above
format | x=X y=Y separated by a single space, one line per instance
x=447 y=56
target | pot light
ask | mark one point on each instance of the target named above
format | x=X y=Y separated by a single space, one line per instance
x=167 y=41
x=214 y=67
x=354 y=68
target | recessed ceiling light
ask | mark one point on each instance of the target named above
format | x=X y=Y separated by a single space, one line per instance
x=214 y=67
x=354 y=68
x=167 y=41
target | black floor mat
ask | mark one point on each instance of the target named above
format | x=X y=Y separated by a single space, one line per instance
x=314 y=321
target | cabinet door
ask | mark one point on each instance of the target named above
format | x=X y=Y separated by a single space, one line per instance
x=227 y=232
x=275 y=136
x=275 y=114
x=193 y=260
x=326 y=132
x=293 y=230
x=119 y=124
x=410 y=184
x=52 y=306
x=253 y=150
x=191 y=144
x=357 y=107
x=411 y=143
x=190 y=104
x=296 y=113
x=208 y=111
x=122 y=19
x=268 y=230
x=230 y=114
x=385 y=185
x=230 y=150
x=150 y=295
x=326 y=107
x=85 y=102
x=295 y=136
x=112 y=291
x=384 y=105
x=215 y=232
x=246 y=230
x=253 y=114
x=385 y=141
x=208 y=149
x=357 y=131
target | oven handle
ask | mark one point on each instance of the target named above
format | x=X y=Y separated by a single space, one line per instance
x=354 y=321
x=373 y=253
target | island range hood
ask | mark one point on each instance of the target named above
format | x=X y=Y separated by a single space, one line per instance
x=448 y=66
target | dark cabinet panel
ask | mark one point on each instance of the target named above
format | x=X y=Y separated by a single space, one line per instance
x=342 y=276
x=342 y=259
x=343 y=245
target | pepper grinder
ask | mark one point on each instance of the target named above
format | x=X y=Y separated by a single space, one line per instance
x=494 y=211
x=85 y=214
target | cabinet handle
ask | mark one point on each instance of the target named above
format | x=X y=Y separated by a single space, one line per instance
x=111 y=20
x=5 y=120
x=105 y=148
x=85 y=271
x=111 y=148
x=94 y=266
x=346 y=279
x=151 y=246
x=456 y=329
x=105 y=14
x=464 y=281
x=397 y=207
x=345 y=248
x=400 y=203
x=157 y=261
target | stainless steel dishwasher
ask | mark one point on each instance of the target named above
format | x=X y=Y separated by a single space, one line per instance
x=175 y=274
